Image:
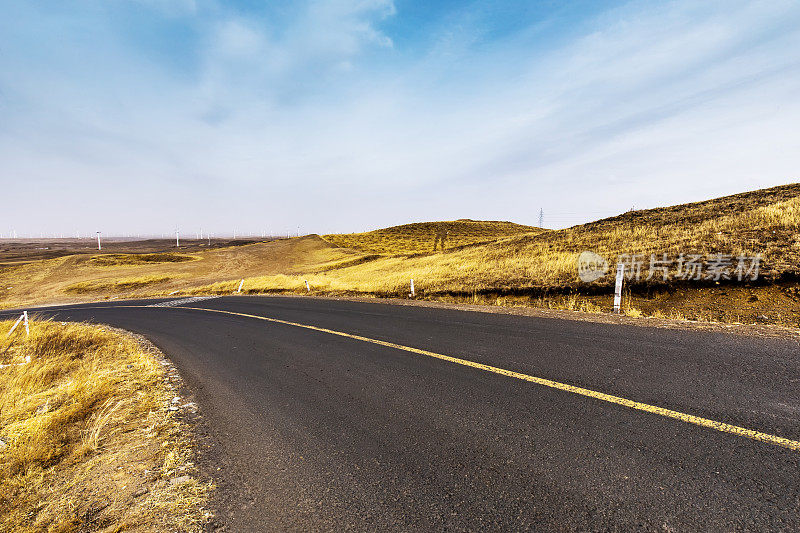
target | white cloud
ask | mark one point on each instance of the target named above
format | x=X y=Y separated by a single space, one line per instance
x=314 y=118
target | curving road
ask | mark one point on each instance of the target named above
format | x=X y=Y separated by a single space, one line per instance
x=365 y=424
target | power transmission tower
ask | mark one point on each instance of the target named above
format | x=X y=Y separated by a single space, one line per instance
x=541 y=218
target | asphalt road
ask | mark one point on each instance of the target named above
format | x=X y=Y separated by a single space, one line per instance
x=318 y=431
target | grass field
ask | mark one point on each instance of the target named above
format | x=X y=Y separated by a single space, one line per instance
x=139 y=259
x=89 y=442
x=486 y=262
x=116 y=285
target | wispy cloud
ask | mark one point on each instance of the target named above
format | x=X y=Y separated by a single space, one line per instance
x=312 y=114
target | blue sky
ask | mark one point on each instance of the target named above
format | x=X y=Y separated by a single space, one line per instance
x=137 y=116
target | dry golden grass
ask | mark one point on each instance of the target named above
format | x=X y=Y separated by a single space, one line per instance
x=109 y=260
x=763 y=222
x=89 y=442
x=118 y=285
x=420 y=237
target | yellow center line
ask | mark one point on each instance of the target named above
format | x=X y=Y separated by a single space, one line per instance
x=691 y=419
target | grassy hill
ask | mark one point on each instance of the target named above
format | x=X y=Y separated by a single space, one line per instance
x=420 y=237
x=492 y=262
x=761 y=222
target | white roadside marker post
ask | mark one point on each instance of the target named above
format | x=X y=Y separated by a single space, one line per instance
x=308 y=288
x=177 y=239
x=24 y=319
x=412 y=288
x=15 y=325
x=618 y=287
x=98 y=241
x=240 y=286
